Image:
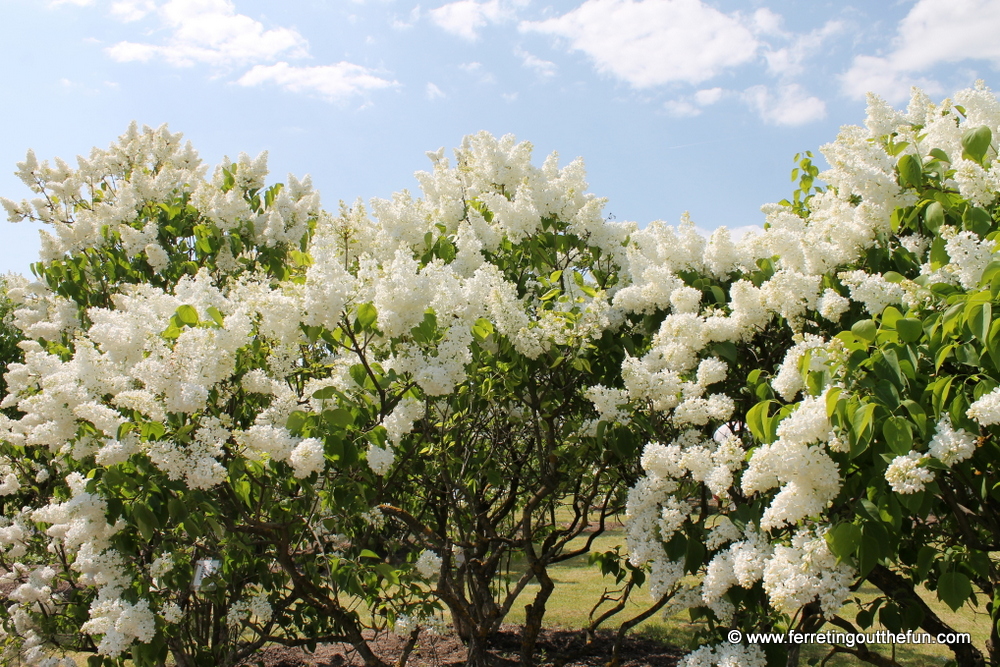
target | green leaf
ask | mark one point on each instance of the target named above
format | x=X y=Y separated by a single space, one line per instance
x=909 y=329
x=942 y=355
x=934 y=216
x=359 y=374
x=888 y=367
x=975 y=143
x=954 y=588
x=296 y=421
x=832 y=398
x=910 y=171
x=551 y=294
x=863 y=419
x=188 y=315
x=482 y=329
x=898 y=435
x=367 y=314
x=992 y=269
x=368 y=553
x=892 y=277
x=868 y=554
x=977 y=220
x=214 y=313
x=844 y=540
x=939 y=256
x=152 y=430
x=939 y=154
x=917 y=414
x=925 y=559
x=325 y=393
x=755 y=420
x=176 y=509
x=980 y=316
x=865 y=330
x=145 y=520
x=339 y=417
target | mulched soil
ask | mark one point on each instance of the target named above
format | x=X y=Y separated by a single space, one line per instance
x=556 y=648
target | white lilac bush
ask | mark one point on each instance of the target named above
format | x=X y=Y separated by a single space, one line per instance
x=240 y=419
x=869 y=454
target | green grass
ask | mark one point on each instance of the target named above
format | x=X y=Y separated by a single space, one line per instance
x=579 y=586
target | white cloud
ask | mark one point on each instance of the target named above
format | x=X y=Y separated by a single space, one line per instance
x=465 y=17
x=767 y=22
x=682 y=108
x=934 y=32
x=880 y=75
x=687 y=108
x=132 y=10
x=653 y=42
x=543 y=68
x=477 y=70
x=330 y=82
x=792 y=105
x=709 y=96
x=399 y=24
x=210 y=31
x=433 y=92
x=787 y=61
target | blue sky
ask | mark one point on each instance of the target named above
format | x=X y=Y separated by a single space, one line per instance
x=675 y=105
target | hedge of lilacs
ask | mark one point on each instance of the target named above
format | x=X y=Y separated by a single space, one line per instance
x=240 y=419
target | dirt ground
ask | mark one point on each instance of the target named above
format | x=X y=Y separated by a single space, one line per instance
x=556 y=648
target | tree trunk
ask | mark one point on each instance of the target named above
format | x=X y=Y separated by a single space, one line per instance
x=533 y=615
x=477 y=653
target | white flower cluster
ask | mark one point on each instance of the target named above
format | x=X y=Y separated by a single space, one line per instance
x=428 y=564
x=797 y=462
x=908 y=473
x=805 y=571
x=788 y=382
x=986 y=410
x=254 y=608
x=969 y=255
x=872 y=290
x=905 y=473
x=725 y=655
x=950 y=445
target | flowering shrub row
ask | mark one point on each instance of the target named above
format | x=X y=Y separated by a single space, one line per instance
x=240 y=419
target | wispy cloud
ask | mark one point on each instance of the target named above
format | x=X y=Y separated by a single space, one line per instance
x=477 y=70
x=433 y=92
x=400 y=24
x=132 y=10
x=214 y=34
x=789 y=61
x=694 y=105
x=543 y=68
x=330 y=82
x=933 y=32
x=207 y=31
x=465 y=17
x=789 y=105
x=653 y=42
